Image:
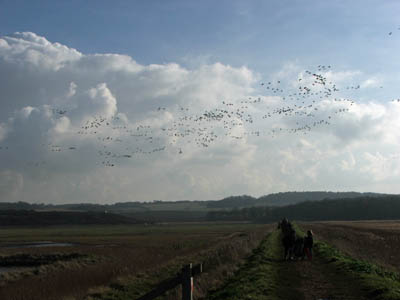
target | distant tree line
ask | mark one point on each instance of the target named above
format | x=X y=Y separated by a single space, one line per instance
x=284 y=198
x=269 y=208
x=361 y=208
x=277 y=199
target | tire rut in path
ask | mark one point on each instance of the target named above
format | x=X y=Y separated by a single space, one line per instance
x=319 y=280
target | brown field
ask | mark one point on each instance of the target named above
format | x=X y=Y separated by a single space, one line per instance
x=112 y=253
x=374 y=241
x=107 y=255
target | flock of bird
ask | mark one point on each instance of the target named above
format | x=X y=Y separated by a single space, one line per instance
x=294 y=108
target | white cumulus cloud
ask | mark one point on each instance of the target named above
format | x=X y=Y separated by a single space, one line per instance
x=80 y=127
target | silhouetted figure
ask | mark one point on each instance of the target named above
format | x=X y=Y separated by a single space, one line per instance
x=288 y=239
x=308 y=244
x=298 y=250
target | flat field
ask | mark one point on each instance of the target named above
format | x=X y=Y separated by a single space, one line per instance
x=97 y=256
x=116 y=262
x=374 y=241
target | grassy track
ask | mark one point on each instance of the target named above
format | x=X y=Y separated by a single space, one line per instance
x=264 y=276
x=375 y=282
x=331 y=275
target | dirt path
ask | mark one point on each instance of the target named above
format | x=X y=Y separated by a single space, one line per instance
x=320 y=281
x=268 y=276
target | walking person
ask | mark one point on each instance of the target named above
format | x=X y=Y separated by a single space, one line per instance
x=308 y=244
x=288 y=243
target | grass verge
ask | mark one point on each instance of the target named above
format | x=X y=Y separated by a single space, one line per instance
x=378 y=283
x=264 y=276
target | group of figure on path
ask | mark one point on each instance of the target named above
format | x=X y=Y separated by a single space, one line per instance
x=296 y=247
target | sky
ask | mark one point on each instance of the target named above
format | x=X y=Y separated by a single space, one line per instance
x=114 y=101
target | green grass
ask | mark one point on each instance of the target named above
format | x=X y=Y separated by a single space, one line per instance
x=264 y=276
x=379 y=284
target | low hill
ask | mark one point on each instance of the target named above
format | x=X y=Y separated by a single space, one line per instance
x=286 y=198
x=233 y=202
x=361 y=208
x=35 y=218
x=178 y=211
x=283 y=199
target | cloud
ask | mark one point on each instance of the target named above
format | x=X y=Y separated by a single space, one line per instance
x=3 y=131
x=97 y=101
x=348 y=164
x=80 y=127
x=10 y=184
x=373 y=82
x=29 y=49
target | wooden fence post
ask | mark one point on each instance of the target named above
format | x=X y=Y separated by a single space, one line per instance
x=184 y=278
x=187 y=282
